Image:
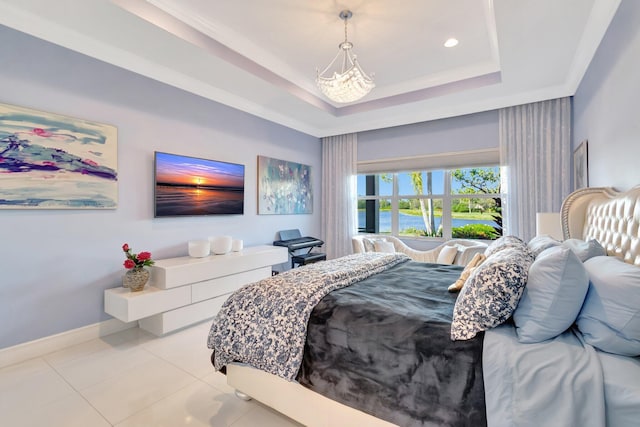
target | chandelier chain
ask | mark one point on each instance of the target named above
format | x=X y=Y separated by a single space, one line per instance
x=345 y=28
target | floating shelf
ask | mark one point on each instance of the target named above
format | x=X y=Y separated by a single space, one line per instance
x=185 y=290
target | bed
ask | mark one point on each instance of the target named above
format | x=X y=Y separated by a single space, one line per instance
x=383 y=343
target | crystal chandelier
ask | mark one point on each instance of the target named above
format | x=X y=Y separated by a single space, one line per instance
x=349 y=82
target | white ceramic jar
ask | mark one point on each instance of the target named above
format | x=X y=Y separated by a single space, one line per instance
x=220 y=245
x=199 y=248
x=236 y=245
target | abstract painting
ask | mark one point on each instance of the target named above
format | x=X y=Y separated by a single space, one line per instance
x=283 y=187
x=49 y=161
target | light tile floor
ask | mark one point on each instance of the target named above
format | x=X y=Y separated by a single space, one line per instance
x=128 y=379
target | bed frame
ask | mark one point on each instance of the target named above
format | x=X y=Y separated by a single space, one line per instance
x=611 y=217
x=295 y=401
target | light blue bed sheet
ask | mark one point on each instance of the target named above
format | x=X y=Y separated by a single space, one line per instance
x=555 y=383
x=621 y=389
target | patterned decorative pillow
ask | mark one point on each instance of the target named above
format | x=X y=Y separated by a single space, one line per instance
x=491 y=293
x=504 y=242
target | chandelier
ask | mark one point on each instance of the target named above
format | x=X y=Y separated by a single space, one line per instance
x=344 y=81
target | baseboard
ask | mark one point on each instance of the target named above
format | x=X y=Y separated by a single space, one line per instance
x=42 y=346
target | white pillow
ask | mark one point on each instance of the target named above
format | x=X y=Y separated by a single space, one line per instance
x=447 y=255
x=369 y=243
x=384 y=246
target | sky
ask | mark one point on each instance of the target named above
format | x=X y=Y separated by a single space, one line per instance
x=182 y=170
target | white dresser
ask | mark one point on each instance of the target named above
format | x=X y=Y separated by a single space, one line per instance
x=185 y=290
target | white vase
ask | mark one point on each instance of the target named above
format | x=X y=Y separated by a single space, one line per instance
x=236 y=245
x=220 y=245
x=199 y=248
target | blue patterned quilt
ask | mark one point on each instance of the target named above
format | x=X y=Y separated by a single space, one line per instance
x=265 y=324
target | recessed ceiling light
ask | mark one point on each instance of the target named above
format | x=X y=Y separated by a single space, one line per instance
x=451 y=42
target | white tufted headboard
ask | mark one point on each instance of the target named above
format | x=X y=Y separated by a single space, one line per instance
x=609 y=216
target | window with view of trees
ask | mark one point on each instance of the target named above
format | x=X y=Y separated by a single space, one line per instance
x=458 y=203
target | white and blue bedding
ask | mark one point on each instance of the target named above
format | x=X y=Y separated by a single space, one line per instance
x=553 y=383
x=398 y=346
x=379 y=343
x=621 y=389
x=546 y=366
x=560 y=382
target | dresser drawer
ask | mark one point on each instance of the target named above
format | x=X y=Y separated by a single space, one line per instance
x=227 y=284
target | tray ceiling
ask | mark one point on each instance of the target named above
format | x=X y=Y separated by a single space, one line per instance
x=261 y=56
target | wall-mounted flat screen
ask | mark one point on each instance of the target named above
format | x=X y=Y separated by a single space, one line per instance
x=190 y=186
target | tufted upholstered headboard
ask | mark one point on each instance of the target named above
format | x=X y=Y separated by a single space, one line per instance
x=609 y=216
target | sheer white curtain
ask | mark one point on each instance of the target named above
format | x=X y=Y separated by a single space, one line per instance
x=339 y=204
x=535 y=152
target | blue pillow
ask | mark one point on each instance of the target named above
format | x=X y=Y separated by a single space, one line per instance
x=540 y=243
x=491 y=292
x=585 y=249
x=553 y=296
x=610 y=316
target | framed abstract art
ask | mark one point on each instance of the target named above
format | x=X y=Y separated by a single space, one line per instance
x=283 y=187
x=50 y=161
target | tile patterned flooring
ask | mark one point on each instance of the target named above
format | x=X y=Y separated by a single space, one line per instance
x=128 y=379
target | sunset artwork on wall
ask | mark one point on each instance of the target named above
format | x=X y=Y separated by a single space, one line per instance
x=50 y=161
x=191 y=186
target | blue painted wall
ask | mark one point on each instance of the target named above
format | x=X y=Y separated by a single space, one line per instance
x=606 y=106
x=55 y=264
x=470 y=132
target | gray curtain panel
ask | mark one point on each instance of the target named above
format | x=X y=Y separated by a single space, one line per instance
x=535 y=153
x=339 y=204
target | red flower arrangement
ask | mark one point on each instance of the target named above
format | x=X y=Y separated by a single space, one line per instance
x=136 y=260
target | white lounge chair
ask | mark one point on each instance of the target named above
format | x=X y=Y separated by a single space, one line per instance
x=455 y=251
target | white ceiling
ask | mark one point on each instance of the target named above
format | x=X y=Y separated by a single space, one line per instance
x=261 y=56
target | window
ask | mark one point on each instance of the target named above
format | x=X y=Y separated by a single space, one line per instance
x=459 y=203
